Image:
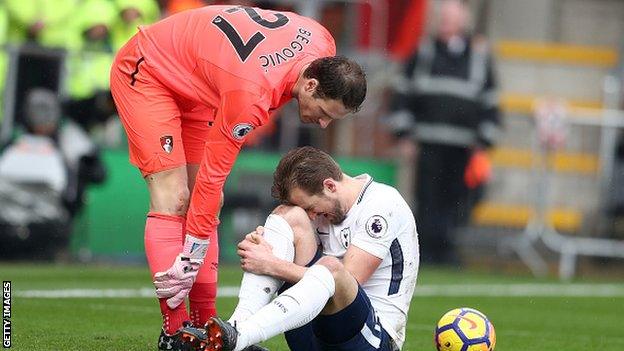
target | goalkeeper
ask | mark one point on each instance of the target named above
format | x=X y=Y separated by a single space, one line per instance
x=188 y=89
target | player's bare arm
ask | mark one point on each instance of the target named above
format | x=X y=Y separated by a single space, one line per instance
x=360 y=264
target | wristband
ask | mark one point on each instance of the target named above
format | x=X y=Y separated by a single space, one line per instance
x=195 y=248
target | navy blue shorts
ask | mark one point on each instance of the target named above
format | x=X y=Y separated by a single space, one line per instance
x=354 y=328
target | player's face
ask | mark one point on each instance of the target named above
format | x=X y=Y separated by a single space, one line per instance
x=325 y=205
x=319 y=111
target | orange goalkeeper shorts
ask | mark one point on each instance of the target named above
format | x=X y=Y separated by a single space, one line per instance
x=161 y=135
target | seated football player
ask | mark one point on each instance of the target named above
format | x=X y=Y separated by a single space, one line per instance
x=351 y=292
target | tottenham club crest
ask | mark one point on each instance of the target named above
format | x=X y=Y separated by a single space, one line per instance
x=240 y=130
x=376 y=226
x=345 y=237
x=166 y=142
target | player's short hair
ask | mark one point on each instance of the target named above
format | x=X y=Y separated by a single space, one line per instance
x=305 y=168
x=339 y=79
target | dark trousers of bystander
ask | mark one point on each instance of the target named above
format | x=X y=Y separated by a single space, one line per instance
x=442 y=200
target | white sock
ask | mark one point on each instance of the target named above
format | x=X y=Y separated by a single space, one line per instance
x=257 y=290
x=292 y=309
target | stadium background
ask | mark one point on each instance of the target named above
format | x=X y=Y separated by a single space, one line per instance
x=525 y=260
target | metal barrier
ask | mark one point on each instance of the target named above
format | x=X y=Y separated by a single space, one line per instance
x=551 y=124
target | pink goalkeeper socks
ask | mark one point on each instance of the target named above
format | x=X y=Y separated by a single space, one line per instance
x=202 y=299
x=163 y=242
x=204 y=292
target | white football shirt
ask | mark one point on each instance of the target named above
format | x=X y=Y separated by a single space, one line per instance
x=382 y=224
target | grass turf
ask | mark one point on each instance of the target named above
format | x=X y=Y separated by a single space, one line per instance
x=522 y=323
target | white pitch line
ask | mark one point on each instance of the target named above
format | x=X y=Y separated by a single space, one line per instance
x=523 y=290
x=85 y=293
x=493 y=290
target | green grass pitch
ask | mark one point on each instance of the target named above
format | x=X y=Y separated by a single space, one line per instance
x=528 y=314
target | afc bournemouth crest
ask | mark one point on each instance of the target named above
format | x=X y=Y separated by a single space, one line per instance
x=376 y=226
x=240 y=130
x=345 y=237
x=166 y=142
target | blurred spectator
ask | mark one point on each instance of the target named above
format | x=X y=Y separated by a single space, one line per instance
x=80 y=156
x=41 y=21
x=34 y=156
x=131 y=14
x=89 y=63
x=446 y=102
x=43 y=174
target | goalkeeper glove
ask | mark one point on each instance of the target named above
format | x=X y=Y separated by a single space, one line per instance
x=175 y=283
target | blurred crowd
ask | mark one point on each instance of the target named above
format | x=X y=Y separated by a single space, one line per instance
x=54 y=68
x=57 y=110
x=89 y=32
x=442 y=107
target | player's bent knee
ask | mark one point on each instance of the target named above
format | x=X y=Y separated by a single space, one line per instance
x=300 y=230
x=289 y=212
x=343 y=279
x=332 y=264
x=295 y=216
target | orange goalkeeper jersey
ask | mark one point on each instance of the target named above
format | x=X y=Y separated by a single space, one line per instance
x=242 y=63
